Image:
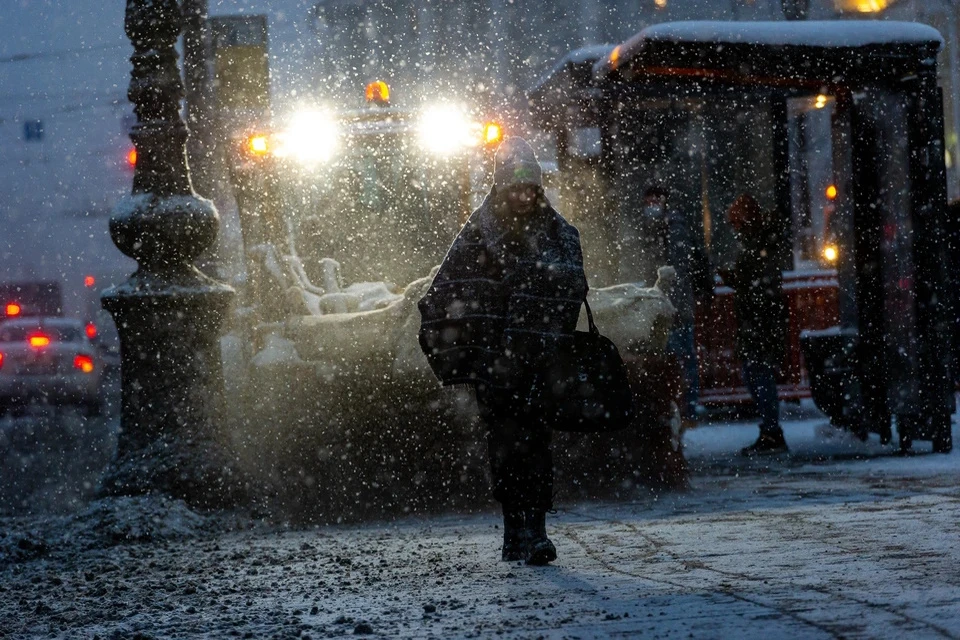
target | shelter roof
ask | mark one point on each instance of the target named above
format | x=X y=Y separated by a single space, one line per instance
x=829 y=51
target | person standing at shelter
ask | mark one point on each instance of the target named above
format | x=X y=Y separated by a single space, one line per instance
x=667 y=237
x=757 y=283
x=505 y=301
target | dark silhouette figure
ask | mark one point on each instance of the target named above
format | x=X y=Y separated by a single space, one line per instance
x=505 y=301
x=757 y=283
x=668 y=237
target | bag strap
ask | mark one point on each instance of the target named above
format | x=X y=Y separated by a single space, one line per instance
x=593 y=325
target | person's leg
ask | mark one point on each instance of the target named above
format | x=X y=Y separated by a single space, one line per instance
x=761 y=381
x=521 y=466
x=682 y=344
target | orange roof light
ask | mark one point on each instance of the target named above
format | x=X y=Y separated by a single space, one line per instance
x=831 y=192
x=132 y=157
x=492 y=133
x=13 y=309
x=90 y=330
x=378 y=92
x=89 y=281
x=258 y=145
x=83 y=362
x=39 y=340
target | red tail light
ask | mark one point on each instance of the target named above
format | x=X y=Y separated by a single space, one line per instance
x=13 y=309
x=39 y=340
x=83 y=362
x=91 y=330
x=1 y=361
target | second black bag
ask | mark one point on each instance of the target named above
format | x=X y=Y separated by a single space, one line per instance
x=586 y=388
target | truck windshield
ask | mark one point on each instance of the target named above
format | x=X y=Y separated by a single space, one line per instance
x=384 y=209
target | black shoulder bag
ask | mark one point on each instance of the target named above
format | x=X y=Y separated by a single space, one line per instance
x=586 y=387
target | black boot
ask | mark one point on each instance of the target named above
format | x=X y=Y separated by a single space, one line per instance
x=770 y=442
x=514 y=536
x=541 y=550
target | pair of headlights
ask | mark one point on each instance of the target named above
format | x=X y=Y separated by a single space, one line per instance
x=314 y=137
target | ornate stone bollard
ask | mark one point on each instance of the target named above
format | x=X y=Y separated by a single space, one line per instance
x=168 y=313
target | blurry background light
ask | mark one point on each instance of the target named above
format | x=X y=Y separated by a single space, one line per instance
x=862 y=6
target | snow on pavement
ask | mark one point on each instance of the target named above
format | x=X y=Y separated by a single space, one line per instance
x=839 y=539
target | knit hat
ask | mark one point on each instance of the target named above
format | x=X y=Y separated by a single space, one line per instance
x=516 y=163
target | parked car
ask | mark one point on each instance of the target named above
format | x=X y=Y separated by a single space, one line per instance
x=51 y=360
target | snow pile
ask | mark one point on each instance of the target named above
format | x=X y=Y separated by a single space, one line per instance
x=340 y=415
x=103 y=523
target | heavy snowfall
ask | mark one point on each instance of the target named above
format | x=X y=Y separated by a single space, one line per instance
x=488 y=319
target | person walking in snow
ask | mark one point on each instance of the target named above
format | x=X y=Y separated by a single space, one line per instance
x=505 y=300
x=757 y=283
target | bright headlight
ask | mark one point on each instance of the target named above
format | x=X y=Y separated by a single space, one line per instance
x=312 y=137
x=445 y=129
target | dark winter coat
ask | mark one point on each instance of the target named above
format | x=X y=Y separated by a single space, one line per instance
x=757 y=284
x=672 y=241
x=507 y=296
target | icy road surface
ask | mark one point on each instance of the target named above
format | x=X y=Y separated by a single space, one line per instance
x=839 y=540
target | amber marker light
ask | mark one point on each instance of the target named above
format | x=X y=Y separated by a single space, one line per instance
x=132 y=158
x=615 y=57
x=831 y=192
x=492 y=133
x=13 y=309
x=258 y=145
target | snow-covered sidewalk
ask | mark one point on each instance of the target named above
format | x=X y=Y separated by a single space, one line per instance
x=839 y=539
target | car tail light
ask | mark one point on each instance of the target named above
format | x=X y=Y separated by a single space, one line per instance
x=83 y=362
x=13 y=309
x=1 y=361
x=39 y=340
x=90 y=330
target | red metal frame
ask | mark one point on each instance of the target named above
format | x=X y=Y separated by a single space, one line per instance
x=812 y=303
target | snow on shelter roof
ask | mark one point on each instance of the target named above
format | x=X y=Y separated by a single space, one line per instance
x=840 y=35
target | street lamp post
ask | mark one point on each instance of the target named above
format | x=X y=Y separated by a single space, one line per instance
x=168 y=313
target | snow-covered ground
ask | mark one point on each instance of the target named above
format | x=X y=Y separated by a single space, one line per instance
x=838 y=539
